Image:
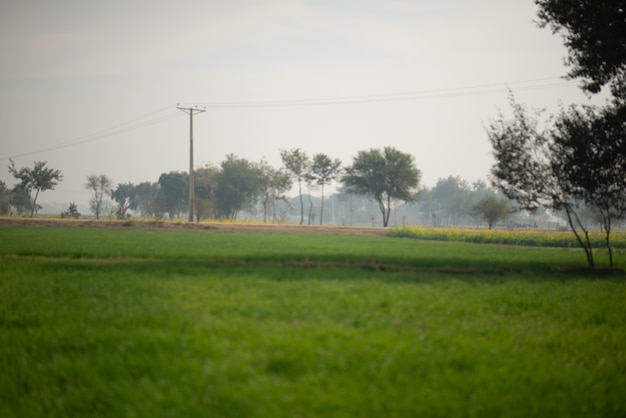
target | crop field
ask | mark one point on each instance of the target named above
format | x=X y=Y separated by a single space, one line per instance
x=128 y=322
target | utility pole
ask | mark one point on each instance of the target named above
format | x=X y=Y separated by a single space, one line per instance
x=191 y=111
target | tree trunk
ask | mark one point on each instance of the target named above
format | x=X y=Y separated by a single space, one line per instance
x=301 y=202
x=586 y=244
x=322 y=206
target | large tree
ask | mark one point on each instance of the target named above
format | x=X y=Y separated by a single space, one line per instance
x=450 y=200
x=173 y=192
x=579 y=157
x=385 y=175
x=238 y=185
x=205 y=186
x=34 y=181
x=323 y=171
x=100 y=186
x=147 y=199
x=590 y=144
x=125 y=197
x=297 y=163
x=594 y=32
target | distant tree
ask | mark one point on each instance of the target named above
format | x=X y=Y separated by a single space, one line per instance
x=125 y=197
x=5 y=199
x=205 y=186
x=580 y=157
x=34 y=181
x=100 y=187
x=323 y=171
x=594 y=32
x=147 y=199
x=492 y=209
x=173 y=192
x=273 y=186
x=20 y=201
x=71 y=212
x=385 y=175
x=297 y=163
x=450 y=200
x=238 y=186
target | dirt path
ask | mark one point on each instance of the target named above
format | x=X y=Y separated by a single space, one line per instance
x=183 y=225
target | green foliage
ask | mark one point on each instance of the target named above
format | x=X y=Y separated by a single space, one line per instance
x=147 y=199
x=323 y=171
x=594 y=32
x=492 y=209
x=274 y=185
x=125 y=197
x=34 y=181
x=5 y=198
x=385 y=175
x=71 y=212
x=238 y=186
x=174 y=192
x=447 y=201
x=143 y=330
x=297 y=163
x=580 y=157
x=205 y=186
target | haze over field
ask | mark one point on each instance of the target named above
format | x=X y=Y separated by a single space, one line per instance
x=92 y=87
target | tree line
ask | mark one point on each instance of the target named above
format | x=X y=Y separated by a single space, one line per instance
x=572 y=163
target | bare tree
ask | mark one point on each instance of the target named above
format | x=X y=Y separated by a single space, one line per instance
x=100 y=186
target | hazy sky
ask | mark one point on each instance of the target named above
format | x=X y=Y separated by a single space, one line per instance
x=92 y=86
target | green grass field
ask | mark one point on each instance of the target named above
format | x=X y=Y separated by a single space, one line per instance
x=141 y=323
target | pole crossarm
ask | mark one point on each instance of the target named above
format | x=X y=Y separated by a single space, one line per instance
x=191 y=111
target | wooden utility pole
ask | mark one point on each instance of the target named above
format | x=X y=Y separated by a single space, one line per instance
x=191 y=111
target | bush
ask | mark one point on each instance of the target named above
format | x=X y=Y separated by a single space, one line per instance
x=71 y=212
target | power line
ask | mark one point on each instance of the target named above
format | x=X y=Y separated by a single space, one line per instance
x=483 y=89
x=445 y=93
x=118 y=129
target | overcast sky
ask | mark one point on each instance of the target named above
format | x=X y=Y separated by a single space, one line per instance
x=92 y=86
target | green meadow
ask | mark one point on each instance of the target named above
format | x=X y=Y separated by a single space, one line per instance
x=155 y=323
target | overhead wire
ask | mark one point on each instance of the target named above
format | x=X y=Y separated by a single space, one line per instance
x=482 y=89
x=118 y=129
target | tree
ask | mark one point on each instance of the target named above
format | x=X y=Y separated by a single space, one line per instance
x=591 y=145
x=492 y=210
x=5 y=199
x=594 y=32
x=34 y=181
x=173 y=192
x=71 y=212
x=100 y=185
x=297 y=163
x=323 y=171
x=147 y=199
x=125 y=197
x=273 y=186
x=237 y=186
x=580 y=157
x=384 y=175
x=450 y=200
x=205 y=185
